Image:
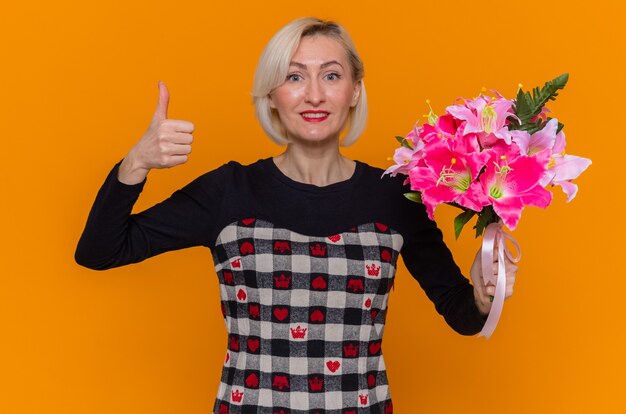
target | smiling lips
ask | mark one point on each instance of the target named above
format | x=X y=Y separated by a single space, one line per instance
x=314 y=116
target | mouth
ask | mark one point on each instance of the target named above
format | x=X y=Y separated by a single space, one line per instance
x=314 y=116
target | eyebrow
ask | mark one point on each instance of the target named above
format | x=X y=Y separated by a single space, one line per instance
x=322 y=66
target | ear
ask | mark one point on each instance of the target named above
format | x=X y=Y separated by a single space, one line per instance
x=271 y=101
x=356 y=94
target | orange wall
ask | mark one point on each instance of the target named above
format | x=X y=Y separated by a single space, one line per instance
x=79 y=86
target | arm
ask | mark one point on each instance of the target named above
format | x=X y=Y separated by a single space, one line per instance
x=430 y=262
x=114 y=237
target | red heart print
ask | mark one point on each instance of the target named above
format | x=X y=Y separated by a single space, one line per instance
x=333 y=365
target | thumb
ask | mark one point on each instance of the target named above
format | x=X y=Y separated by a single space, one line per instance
x=164 y=98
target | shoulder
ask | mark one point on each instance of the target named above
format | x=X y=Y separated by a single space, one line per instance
x=230 y=174
x=376 y=179
x=386 y=195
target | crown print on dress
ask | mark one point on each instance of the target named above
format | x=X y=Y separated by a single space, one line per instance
x=363 y=398
x=316 y=384
x=234 y=342
x=236 y=396
x=350 y=351
x=281 y=382
x=228 y=277
x=253 y=310
x=298 y=332
x=373 y=270
x=282 y=246
x=282 y=281
x=236 y=263
x=355 y=285
x=318 y=250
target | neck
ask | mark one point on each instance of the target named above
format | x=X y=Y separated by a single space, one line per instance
x=315 y=165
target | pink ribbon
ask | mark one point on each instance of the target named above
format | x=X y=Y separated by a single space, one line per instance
x=495 y=237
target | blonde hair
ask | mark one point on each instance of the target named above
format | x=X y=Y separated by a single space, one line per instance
x=273 y=67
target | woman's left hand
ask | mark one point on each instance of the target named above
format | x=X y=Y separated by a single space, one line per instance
x=483 y=295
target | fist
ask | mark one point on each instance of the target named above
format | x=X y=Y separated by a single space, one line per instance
x=167 y=142
x=483 y=294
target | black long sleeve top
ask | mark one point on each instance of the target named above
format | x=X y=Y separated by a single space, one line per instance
x=304 y=271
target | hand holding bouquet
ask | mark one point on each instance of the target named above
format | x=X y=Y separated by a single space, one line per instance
x=490 y=157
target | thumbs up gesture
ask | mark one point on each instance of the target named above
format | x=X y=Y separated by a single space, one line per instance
x=166 y=143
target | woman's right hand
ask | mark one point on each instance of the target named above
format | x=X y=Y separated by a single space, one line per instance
x=165 y=144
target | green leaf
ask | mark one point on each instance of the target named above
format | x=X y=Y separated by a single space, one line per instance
x=403 y=142
x=528 y=106
x=414 y=196
x=461 y=220
x=486 y=216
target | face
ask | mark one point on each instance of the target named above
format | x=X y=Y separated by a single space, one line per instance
x=314 y=101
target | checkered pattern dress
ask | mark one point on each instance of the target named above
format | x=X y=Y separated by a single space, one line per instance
x=305 y=317
x=305 y=274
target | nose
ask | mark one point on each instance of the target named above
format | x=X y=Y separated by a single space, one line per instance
x=314 y=93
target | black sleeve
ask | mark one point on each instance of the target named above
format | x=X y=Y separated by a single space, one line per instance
x=114 y=237
x=430 y=262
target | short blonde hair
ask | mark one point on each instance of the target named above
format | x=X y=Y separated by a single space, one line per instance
x=273 y=66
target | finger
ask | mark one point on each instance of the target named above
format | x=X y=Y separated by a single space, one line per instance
x=180 y=138
x=177 y=160
x=160 y=114
x=179 y=125
x=490 y=290
x=181 y=149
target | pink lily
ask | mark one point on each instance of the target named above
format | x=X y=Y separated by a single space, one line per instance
x=486 y=117
x=564 y=168
x=445 y=127
x=448 y=175
x=539 y=141
x=407 y=158
x=510 y=186
x=561 y=168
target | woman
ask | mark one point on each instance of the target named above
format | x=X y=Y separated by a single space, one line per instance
x=304 y=244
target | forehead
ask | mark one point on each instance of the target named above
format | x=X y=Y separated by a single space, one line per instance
x=318 y=49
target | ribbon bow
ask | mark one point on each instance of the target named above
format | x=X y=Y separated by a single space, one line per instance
x=495 y=236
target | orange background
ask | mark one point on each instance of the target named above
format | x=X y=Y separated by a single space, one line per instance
x=79 y=86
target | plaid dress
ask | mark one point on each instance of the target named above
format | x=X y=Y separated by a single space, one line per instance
x=305 y=274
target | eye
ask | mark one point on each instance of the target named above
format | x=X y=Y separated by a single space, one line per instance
x=333 y=76
x=294 y=77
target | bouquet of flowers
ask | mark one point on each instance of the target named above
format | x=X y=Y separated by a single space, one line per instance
x=490 y=157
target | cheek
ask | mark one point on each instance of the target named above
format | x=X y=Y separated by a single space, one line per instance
x=284 y=98
x=343 y=99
